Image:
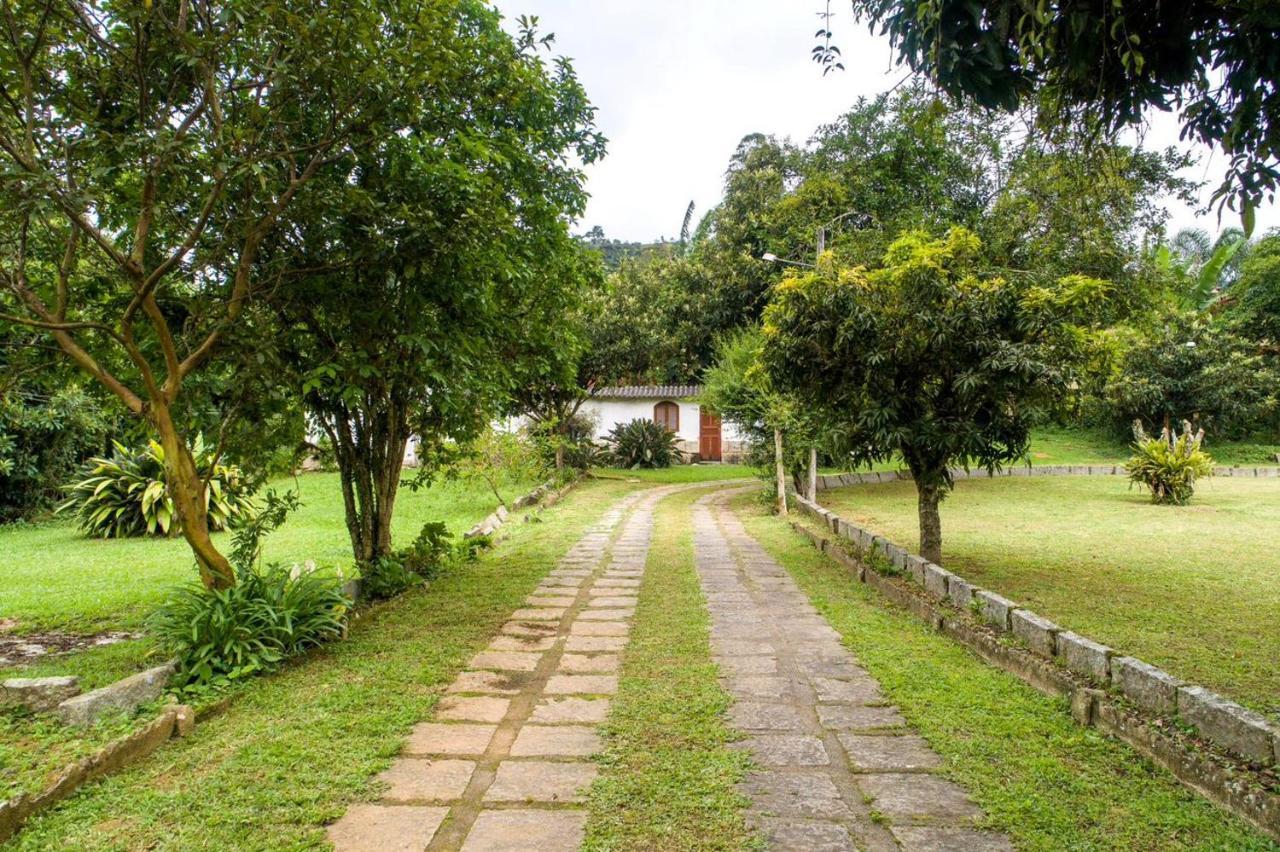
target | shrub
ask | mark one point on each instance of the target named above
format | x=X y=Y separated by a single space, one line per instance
x=1168 y=465
x=223 y=635
x=44 y=437
x=576 y=440
x=126 y=496
x=390 y=575
x=643 y=443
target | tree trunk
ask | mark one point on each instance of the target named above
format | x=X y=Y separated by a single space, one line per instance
x=813 y=474
x=369 y=450
x=929 y=495
x=187 y=490
x=781 y=471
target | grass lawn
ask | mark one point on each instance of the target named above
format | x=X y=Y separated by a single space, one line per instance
x=1048 y=783
x=668 y=778
x=1192 y=589
x=296 y=748
x=680 y=473
x=52 y=577
x=125 y=579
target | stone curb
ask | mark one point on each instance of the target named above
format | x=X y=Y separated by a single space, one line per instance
x=174 y=720
x=1248 y=735
x=1237 y=790
x=543 y=495
x=839 y=480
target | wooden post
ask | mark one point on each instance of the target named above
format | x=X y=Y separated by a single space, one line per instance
x=813 y=474
x=782 y=472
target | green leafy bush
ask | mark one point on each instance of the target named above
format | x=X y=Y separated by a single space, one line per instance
x=125 y=496
x=643 y=443
x=1169 y=465
x=223 y=635
x=576 y=441
x=390 y=575
x=44 y=436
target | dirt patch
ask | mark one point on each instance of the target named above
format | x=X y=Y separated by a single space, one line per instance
x=17 y=650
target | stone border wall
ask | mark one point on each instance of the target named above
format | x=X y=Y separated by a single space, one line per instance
x=1118 y=703
x=174 y=720
x=544 y=495
x=839 y=480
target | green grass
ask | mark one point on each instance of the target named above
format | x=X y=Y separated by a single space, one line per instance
x=1192 y=589
x=668 y=777
x=296 y=748
x=1043 y=780
x=1055 y=445
x=52 y=577
x=680 y=473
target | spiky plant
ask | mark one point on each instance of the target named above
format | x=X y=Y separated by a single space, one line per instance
x=643 y=443
x=1169 y=465
x=125 y=496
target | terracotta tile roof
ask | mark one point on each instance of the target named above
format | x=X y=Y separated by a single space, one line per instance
x=650 y=392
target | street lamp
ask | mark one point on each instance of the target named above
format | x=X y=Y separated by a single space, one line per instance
x=770 y=257
x=861 y=221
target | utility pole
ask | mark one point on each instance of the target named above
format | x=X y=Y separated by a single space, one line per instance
x=781 y=471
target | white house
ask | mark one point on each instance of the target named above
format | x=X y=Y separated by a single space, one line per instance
x=703 y=437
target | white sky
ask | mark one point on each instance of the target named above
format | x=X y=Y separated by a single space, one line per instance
x=678 y=84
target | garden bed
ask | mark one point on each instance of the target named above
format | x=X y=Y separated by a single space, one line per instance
x=1194 y=589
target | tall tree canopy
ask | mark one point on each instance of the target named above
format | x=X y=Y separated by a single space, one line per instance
x=1110 y=62
x=148 y=151
x=925 y=357
x=423 y=279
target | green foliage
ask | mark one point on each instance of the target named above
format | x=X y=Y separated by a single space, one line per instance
x=643 y=444
x=575 y=440
x=924 y=358
x=127 y=494
x=1256 y=295
x=1191 y=366
x=44 y=436
x=1198 y=280
x=219 y=636
x=393 y=573
x=499 y=459
x=1168 y=466
x=1110 y=63
x=425 y=276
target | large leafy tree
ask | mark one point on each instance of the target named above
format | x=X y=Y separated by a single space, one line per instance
x=425 y=278
x=925 y=358
x=149 y=150
x=1110 y=63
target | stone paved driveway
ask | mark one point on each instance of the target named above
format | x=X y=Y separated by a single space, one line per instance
x=837 y=767
x=505 y=761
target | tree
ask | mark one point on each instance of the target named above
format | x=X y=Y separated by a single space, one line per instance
x=1192 y=367
x=149 y=150
x=423 y=280
x=1108 y=63
x=924 y=357
x=1257 y=293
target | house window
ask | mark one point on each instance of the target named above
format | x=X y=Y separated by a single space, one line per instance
x=668 y=414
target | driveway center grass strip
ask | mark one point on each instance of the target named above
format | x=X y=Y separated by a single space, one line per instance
x=668 y=776
x=1042 y=779
x=1193 y=589
x=295 y=749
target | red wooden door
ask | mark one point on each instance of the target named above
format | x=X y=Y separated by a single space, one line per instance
x=709 y=436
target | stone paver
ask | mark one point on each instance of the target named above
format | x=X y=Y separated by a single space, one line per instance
x=837 y=766
x=520 y=725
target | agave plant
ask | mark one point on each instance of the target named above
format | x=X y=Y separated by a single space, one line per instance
x=126 y=496
x=1168 y=465
x=643 y=443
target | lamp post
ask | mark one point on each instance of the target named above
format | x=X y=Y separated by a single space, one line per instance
x=861 y=221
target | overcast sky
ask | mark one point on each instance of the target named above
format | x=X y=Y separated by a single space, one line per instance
x=677 y=84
